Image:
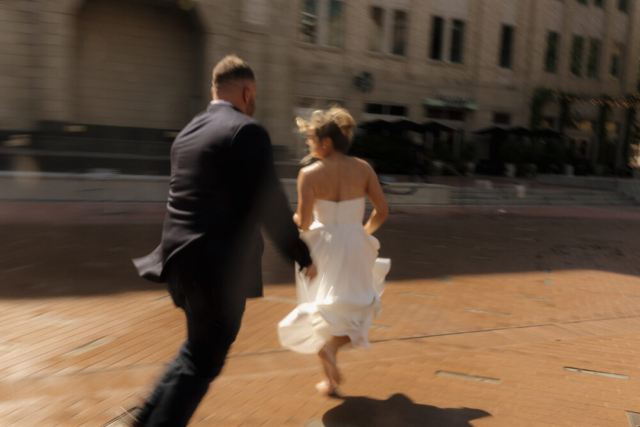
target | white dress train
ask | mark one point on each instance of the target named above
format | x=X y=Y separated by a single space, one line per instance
x=344 y=298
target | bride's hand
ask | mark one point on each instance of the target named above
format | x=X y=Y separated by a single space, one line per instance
x=311 y=272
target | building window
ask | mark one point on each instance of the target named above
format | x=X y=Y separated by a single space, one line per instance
x=599 y=3
x=387 y=110
x=584 y=125
x=311 y=103
x=502 y=119
x=322 y=29
x=616 y=60
x=374 y=108
x=457 y=41
x=506 y=48
x=548 y=122
x=381 y=39
x=623 y=5
x=399 y=32
x=437 y=37
x=593 y=60
x=336 y=23
x=398 y=110
x=551 y=58
x=377 y=29
x=309 y=21
x=576 y=55
x=457 y=115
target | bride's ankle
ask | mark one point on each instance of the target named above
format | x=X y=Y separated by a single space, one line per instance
x=327 y=349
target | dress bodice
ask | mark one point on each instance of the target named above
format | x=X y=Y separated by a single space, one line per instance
x=340 y=213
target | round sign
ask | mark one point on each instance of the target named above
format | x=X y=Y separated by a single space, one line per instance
x=364 y=82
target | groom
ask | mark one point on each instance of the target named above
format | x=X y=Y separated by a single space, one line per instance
x=223 y=188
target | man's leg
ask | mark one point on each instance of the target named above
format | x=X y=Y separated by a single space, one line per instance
x=151 y=402
x=174 y=285
x=213 y=322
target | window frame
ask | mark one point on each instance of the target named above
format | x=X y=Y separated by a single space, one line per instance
x=460 y=32
x=577 y=53
x=506 y=57
x=551 y=54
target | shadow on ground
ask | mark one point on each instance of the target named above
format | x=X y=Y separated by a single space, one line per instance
x=49 y=260
x=397 y=411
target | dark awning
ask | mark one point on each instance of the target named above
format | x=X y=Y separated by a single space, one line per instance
x=407 y=125
x=493 y=130
x=519 y=131
x=435 y=127
x=549 y=134
x=376 y=125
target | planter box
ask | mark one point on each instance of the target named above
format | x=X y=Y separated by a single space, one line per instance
x=510 y=170
x=471 y=168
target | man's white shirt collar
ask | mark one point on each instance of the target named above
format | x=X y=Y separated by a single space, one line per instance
x=221 y=102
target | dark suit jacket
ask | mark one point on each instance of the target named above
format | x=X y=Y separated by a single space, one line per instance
x=223 y=188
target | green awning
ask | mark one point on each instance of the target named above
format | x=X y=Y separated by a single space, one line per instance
x=451 y=102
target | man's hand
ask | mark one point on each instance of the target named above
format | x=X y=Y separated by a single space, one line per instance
x=311 y=272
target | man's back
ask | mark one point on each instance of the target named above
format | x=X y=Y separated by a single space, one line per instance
x=219 y=167
x=206 y=174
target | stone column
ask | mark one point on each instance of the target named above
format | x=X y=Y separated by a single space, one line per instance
x=55 y=76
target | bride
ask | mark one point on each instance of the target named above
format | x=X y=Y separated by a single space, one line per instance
x=336 y=308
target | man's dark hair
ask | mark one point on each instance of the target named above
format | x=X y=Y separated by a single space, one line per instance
x=231 y=69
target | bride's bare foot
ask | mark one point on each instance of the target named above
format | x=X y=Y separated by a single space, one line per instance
x=325 y=388
x=328 y=356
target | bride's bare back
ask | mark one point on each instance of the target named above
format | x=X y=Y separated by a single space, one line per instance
x=344 y=178
x=337 y=179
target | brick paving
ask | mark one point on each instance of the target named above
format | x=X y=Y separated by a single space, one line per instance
x=483 y=312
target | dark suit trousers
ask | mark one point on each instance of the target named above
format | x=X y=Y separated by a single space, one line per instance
x=214 y=313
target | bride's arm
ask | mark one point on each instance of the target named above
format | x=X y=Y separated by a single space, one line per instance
x=306 y=199
x=377 y=199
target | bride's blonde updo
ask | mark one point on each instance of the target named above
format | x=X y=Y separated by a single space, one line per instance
x=335 y=123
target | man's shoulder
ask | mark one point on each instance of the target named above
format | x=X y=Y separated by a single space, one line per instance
x=251 y=124
x=221 y=122
x=236 y=120
x=250 y=129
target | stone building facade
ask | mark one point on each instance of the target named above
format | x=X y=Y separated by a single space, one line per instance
x=466 y=63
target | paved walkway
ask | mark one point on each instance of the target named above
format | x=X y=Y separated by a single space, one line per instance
x=525 y=317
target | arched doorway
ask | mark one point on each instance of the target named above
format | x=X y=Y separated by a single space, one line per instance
x=139 y=64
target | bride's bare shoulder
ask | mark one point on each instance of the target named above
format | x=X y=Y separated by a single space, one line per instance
x=309 y=169
x=363 y=165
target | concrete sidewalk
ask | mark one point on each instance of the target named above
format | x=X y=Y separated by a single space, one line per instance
x=529 y=317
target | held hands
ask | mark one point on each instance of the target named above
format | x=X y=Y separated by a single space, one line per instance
x=310 y=272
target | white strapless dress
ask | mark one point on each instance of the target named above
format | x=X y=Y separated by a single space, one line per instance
x=344 y=298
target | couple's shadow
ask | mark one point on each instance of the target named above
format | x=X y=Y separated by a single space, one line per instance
x=397 y=411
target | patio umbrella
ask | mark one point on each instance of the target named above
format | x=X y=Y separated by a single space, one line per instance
x=435 y=127
x=519 y=131
x=493 y=131
x=377 y=125
x=405 y=125
x=549 y=134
